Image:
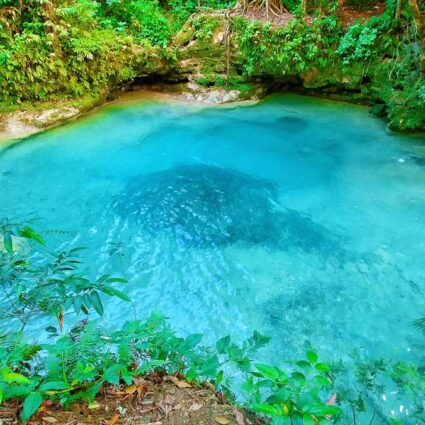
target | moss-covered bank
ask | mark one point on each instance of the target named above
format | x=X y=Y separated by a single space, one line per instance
x=361 y=64
x=221 y=57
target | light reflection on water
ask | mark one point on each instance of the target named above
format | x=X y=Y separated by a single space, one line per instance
x=300 y=218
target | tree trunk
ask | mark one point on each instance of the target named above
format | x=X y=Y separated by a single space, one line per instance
x=340 y=12
x=419 y=19
x=398 y=10
x=304 y=7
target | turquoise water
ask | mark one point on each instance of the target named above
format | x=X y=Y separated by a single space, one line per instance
x=300 y=218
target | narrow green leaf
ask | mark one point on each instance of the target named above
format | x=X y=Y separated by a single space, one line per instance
x=77 y=302
x=30 y=233
x=96 y=302
x=115 y=293
x=7 y=241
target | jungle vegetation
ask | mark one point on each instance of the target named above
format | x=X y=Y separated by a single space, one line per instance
x=81 y=49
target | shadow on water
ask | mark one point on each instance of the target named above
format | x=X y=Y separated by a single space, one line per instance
x=203 y=206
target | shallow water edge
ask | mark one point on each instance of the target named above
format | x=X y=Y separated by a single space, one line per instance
x=18 y=125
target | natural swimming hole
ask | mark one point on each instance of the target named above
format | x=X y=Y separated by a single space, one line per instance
x=300 y=218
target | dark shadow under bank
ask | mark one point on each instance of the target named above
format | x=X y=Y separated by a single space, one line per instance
x=175 y=85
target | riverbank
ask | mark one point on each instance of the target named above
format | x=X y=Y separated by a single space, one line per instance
x=216 y=57
x=150 y=400
x=16 y=125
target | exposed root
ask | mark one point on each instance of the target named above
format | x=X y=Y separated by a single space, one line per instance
x=270 y=7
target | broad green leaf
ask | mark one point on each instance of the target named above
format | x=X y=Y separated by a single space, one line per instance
x=267 y=409
x=209 y=367
x=308 y=420
x=303 y=364
x=53 y=385
x=323 y=381
x=112 y=374
x=31 y=403
x=312 y=357
x=322 y=367
x=189 y=343
x=10 y=377
x=223 y=344
x=86 y=301
x=117 y=280
x=299 y=379
x=77 y=302
x=318 y=409
x=267 y=371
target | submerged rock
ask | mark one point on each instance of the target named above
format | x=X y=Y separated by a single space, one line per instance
x=205 y=206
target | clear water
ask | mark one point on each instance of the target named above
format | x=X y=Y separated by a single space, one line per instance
x=300 y=218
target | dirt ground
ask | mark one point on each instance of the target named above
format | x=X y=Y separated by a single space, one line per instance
x=152 y=400
x=348 y=15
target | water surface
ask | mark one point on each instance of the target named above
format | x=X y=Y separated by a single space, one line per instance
x=300 y=218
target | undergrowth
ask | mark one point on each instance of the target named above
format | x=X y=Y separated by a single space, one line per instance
x=77 y=353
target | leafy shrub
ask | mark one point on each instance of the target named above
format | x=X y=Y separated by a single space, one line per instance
x=290 y=50
x=357 y=43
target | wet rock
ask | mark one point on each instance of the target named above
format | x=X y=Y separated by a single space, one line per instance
x=19 y=124
x=53 y=116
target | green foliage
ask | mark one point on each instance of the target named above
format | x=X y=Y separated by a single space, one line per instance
x=35 y=283
x=144 y=20
x=182 y=9
x=357 y=43
x=290 y=50
x=296 y=394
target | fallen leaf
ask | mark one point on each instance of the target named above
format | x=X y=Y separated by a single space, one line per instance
x=140 y=382
x=169 y=400
x=154 y=423
x=177 y=406
x=93 y=406
x=180 y=384
x=131 y=389
x=222 y=420
x=195 y=407
x=114 y=419
x=183 y=384
x=49 y=419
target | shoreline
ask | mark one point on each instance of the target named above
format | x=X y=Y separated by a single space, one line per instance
x=16 y=126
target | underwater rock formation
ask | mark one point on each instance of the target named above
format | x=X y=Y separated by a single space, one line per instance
x=204 y=206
